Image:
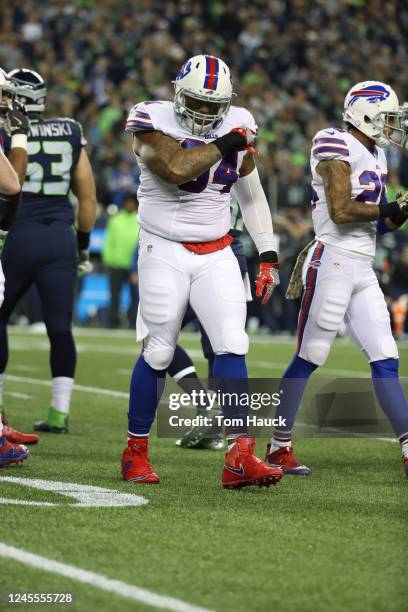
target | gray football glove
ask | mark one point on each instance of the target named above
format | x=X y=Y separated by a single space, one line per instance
x=85 y=266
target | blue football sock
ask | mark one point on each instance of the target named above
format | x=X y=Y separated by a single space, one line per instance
x=230 y=366
x=292 y=384
x=146 y=388
x=231 y=377
x=390 y=394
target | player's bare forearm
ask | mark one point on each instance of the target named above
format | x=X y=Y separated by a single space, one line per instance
x=165 y=157
x=9 y=180
x=86 y=214
x=337 y=187
x=18 y=159
x=83 y=186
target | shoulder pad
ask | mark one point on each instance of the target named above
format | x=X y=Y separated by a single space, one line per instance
x=331 y=143
x=139 y=118
x=245 y=116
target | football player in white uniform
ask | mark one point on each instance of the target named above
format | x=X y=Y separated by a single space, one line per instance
x=9 y=200
x=191 y=153
x=349 y=203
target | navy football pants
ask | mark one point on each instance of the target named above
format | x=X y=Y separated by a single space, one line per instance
x=44 y=254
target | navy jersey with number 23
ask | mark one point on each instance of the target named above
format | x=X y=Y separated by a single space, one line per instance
x=54 y=146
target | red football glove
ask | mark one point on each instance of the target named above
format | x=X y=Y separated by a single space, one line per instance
x=267 y=280
x=249 y=136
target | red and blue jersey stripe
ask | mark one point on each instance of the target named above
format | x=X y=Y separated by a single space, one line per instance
x=211 y=72
x=308 y=292
x=139 y=120
x=337 y=150
x=331 y=145
x=330 y=140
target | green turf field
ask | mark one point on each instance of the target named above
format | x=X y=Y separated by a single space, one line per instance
x=335 y=541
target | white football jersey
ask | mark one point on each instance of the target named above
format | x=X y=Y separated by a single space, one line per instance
x=199 y=210
x=368 y=177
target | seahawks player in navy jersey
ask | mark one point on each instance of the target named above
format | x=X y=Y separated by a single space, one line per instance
x=42 y=246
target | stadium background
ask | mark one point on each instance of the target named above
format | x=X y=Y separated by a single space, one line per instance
x=292 y=64
x=332 y=542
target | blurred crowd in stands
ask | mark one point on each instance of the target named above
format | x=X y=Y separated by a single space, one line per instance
x=292 y=63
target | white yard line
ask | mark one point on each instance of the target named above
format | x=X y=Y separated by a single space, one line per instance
x=123 y=395
x=344 y=432
x=90 y=332
x=26 y=368
x=195 y=354
x=84 y=389
x=34 y=344
x=23 y=396
x=124 y=372
x=99 y=581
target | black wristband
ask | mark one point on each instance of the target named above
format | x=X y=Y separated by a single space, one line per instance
x=19 y=130
x=388 y=210
x=8 y=210
x=269 y=257
x=83 y=240
x=233 y=141
x=398 y=218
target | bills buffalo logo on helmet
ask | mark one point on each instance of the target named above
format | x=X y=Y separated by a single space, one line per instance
x=184 y=70
x=373 y=93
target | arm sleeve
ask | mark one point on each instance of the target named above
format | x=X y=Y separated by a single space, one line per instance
x=139 y=119
x=255 y=211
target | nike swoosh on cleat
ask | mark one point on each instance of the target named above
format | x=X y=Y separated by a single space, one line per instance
x=239 y=470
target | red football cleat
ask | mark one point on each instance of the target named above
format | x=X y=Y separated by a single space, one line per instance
x=135 y=463
x=14 y=436
x=283 y=457
x=17 y=437
x=11 y=453
x=243 y=468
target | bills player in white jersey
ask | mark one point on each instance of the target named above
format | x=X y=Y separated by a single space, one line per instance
x=349 y=171
x=9 y=200
x=191 y=153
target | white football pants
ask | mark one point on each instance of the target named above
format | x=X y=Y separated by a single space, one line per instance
x=169 y=277
x=340 y=286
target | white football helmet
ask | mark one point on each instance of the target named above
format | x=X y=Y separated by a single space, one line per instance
x=202 y=80
x=5 y=92
x=372 y=107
